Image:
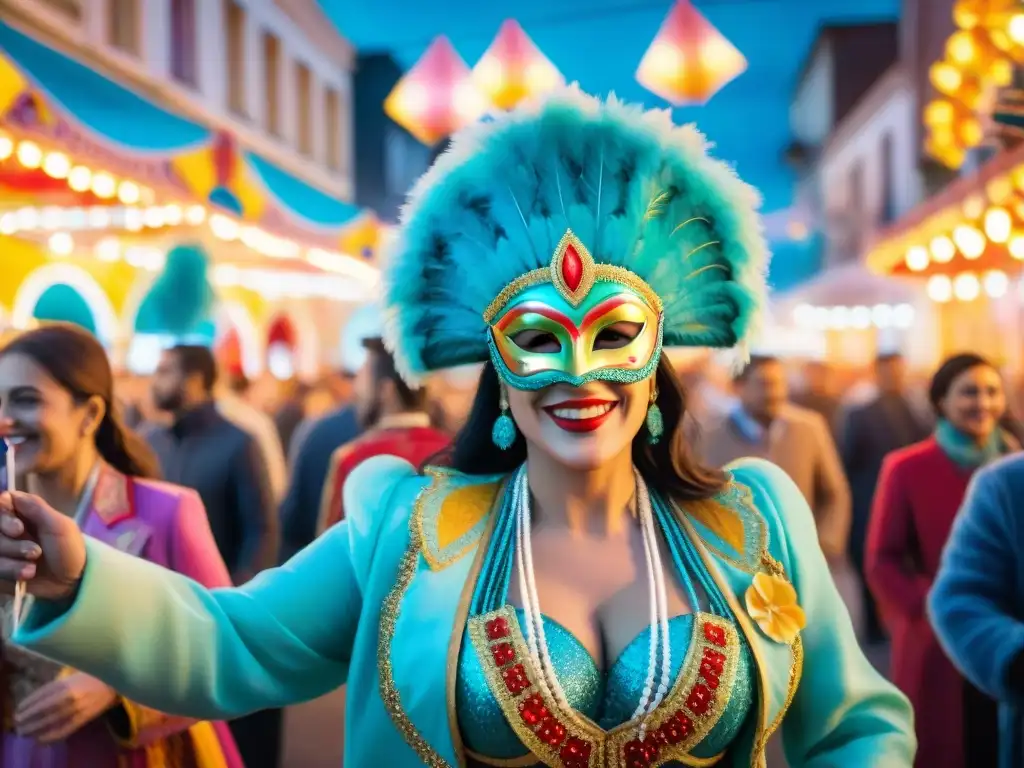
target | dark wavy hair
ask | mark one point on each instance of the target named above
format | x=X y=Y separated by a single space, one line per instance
x=669 y=465
x=78 y=363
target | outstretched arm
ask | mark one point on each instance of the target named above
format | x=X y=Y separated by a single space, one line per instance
x=169 y=643
x=843 y=713
x=971 y=605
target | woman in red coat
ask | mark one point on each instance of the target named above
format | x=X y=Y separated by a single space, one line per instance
x=919 y=492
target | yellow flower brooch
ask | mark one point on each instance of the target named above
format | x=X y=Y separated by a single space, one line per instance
x=771 y=602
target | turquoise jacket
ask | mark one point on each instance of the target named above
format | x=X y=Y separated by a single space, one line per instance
x=380 y=602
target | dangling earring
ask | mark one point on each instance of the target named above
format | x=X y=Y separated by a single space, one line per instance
x=503 y=433
x=655 y=423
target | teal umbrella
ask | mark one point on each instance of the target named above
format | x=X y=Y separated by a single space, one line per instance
x=62 y=303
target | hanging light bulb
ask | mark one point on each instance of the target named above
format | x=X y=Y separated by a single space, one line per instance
x=917 y=259
x=966 y=286
x=995 y=283
x=970 y=241
x=998 y=225
x=437 y=96
x=513 y=68
x=689 y=60
x=943 y=250
x=939 y=288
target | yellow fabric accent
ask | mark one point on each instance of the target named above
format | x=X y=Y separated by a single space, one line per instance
x=197 y=171
x=20 y=259
x=364 y=232
x=12 y=84
x=249 y=193
x=206 y=746
x=461 y=510
x=721 y=521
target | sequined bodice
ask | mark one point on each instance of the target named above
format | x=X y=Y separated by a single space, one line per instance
x=506 y=712
x=606 y=699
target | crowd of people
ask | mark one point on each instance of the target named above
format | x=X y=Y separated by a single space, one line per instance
x=882 y=461
x=719 y=557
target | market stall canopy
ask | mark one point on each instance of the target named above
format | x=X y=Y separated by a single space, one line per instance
x=974 y=224
x=51 y=97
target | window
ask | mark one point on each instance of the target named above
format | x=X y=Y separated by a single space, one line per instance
x=272 y=80
x=123 y=25
x=72 y=9
x=234 y=23
x=887 y=214
x=304 y=88
x=183 y=41
x=332 y=123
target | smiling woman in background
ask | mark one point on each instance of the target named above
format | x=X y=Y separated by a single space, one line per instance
x=56 y=409
x=919 y=491
x=575 y=590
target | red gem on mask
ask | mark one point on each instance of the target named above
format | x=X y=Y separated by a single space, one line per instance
x=503 y=654
x=551 y=732
x=496 y=628
x=572 y=268
x=575 y=753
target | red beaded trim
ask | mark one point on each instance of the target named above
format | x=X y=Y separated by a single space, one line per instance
x=570 y=740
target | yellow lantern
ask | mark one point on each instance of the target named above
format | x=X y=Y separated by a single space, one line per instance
x=513 y=68
x=689 y=60
x=970 y=132
x=939 y=112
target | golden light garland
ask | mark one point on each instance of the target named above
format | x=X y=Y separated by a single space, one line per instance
x=980 y=58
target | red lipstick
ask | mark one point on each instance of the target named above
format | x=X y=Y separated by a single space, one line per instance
x=581 y=425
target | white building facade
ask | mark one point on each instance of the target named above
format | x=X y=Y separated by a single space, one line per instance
x=274 y=73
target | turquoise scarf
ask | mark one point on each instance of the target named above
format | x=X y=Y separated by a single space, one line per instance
x=964 y=451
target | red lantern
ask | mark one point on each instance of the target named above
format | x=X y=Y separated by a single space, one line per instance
x=513 y=68
x=437 y=96
x=689 y=61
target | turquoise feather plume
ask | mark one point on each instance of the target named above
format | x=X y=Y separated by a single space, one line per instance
x=639 y=192
x=182 y=295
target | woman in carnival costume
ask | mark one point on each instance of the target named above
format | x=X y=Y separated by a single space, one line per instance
x=575 y=590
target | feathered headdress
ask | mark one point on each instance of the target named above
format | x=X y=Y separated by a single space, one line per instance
x=639 y=193
x=182 y=295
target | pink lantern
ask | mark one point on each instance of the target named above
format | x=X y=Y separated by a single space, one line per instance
x=689 y=61
x=513 y=68
x=437 y=96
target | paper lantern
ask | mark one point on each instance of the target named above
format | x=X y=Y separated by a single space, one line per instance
x=689 y=61
x=437 y=96
x=513 y=68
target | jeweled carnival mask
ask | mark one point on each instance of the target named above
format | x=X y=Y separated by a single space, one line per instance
x=573 y=322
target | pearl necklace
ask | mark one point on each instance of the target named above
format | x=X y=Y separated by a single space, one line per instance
x=535 y=635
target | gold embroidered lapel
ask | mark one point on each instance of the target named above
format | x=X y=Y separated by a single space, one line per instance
x=563 y=738
x=733 y=569
x=452 y=514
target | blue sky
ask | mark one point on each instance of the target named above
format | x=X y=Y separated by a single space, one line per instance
x=600 y=43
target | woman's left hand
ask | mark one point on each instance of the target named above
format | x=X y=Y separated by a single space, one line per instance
x=62 y=707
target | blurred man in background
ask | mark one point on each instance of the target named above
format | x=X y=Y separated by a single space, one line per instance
x=766 y=425
x=820 y=394
x=204 y=451
x=871 y=430
x=233 y=406
x=395 y=422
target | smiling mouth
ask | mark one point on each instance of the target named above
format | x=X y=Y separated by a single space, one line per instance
x=581 y=415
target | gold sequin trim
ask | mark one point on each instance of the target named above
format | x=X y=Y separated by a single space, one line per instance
x=563 y=738
x=592 y=273
x=796 y=669
x=388 y=621
x=796 y=666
